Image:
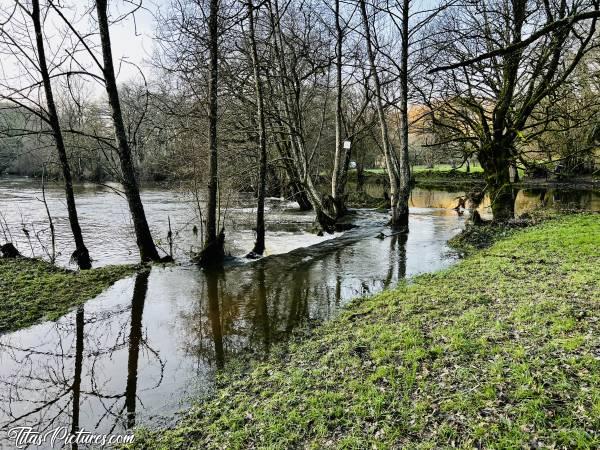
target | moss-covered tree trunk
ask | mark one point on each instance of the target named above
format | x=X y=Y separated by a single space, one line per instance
x=495 y=158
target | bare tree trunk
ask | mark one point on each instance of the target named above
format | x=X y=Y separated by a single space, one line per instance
x=495 y=160
x=213 y=252
x=144 y=239
x=295 y=187
x=81 y=254
x=342 y=155
x=360 y=176
x=50 y=221
x=404 y=169
x=391 y=160
x=294 y=124
x=259 y=245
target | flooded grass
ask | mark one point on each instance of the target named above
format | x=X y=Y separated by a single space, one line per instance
x=498 y=351
x=33 y=290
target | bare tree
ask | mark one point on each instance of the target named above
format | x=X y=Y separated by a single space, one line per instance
x=505 y=60
x=399 y=210
x=36 y=62
x=352 y=98
x=259 y=246
x=144 y=239
x=300 y=58
x=213 y=252
x=342 y=152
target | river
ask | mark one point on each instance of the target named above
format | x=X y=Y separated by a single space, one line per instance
x=141 y=350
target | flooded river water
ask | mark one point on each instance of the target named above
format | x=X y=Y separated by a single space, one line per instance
x=140 y=351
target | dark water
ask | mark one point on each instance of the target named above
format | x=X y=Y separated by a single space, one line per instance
x=138 y=352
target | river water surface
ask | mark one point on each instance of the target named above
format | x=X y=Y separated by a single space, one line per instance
x=140 y=351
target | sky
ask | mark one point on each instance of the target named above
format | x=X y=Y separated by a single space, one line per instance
x=134 y=40
x=131 y=38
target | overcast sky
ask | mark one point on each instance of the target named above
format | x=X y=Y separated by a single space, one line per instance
x=132 y=39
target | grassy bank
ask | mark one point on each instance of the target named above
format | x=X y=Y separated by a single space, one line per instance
x=500 y=351
x=32 y=290
x=436 y=168
x=449 y=176
x=439 y=176
x=444 y=174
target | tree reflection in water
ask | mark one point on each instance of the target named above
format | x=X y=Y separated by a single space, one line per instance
x=79 y=325
x=214 y=315
x=397 y=257
x=135 y=354
x=59 y=377
x=135 y=339
x=246 y=309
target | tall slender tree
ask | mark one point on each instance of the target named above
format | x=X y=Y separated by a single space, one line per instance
x=404 y=163
x=399 y=211
x=48 y=113
x=144 y=239
x=259 y=246
x=81 y=254
x=213 y=252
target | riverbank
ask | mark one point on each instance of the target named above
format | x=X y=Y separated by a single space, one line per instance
x=32 y=290
x=443 y=177
x=499 y=351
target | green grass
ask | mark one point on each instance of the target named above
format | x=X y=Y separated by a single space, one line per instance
x=500 y=351
x=440 y=175
x=32 y=290
x=446 y=168
x=436 y=168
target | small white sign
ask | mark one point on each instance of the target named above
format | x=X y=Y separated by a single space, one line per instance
x=347 y=145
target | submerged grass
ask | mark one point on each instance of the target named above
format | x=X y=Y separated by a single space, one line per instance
x=500 y=351
x=32 y=290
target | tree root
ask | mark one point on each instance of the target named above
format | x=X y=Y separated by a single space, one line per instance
x=8 y=250
x=81 y=258
x=213 y=253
